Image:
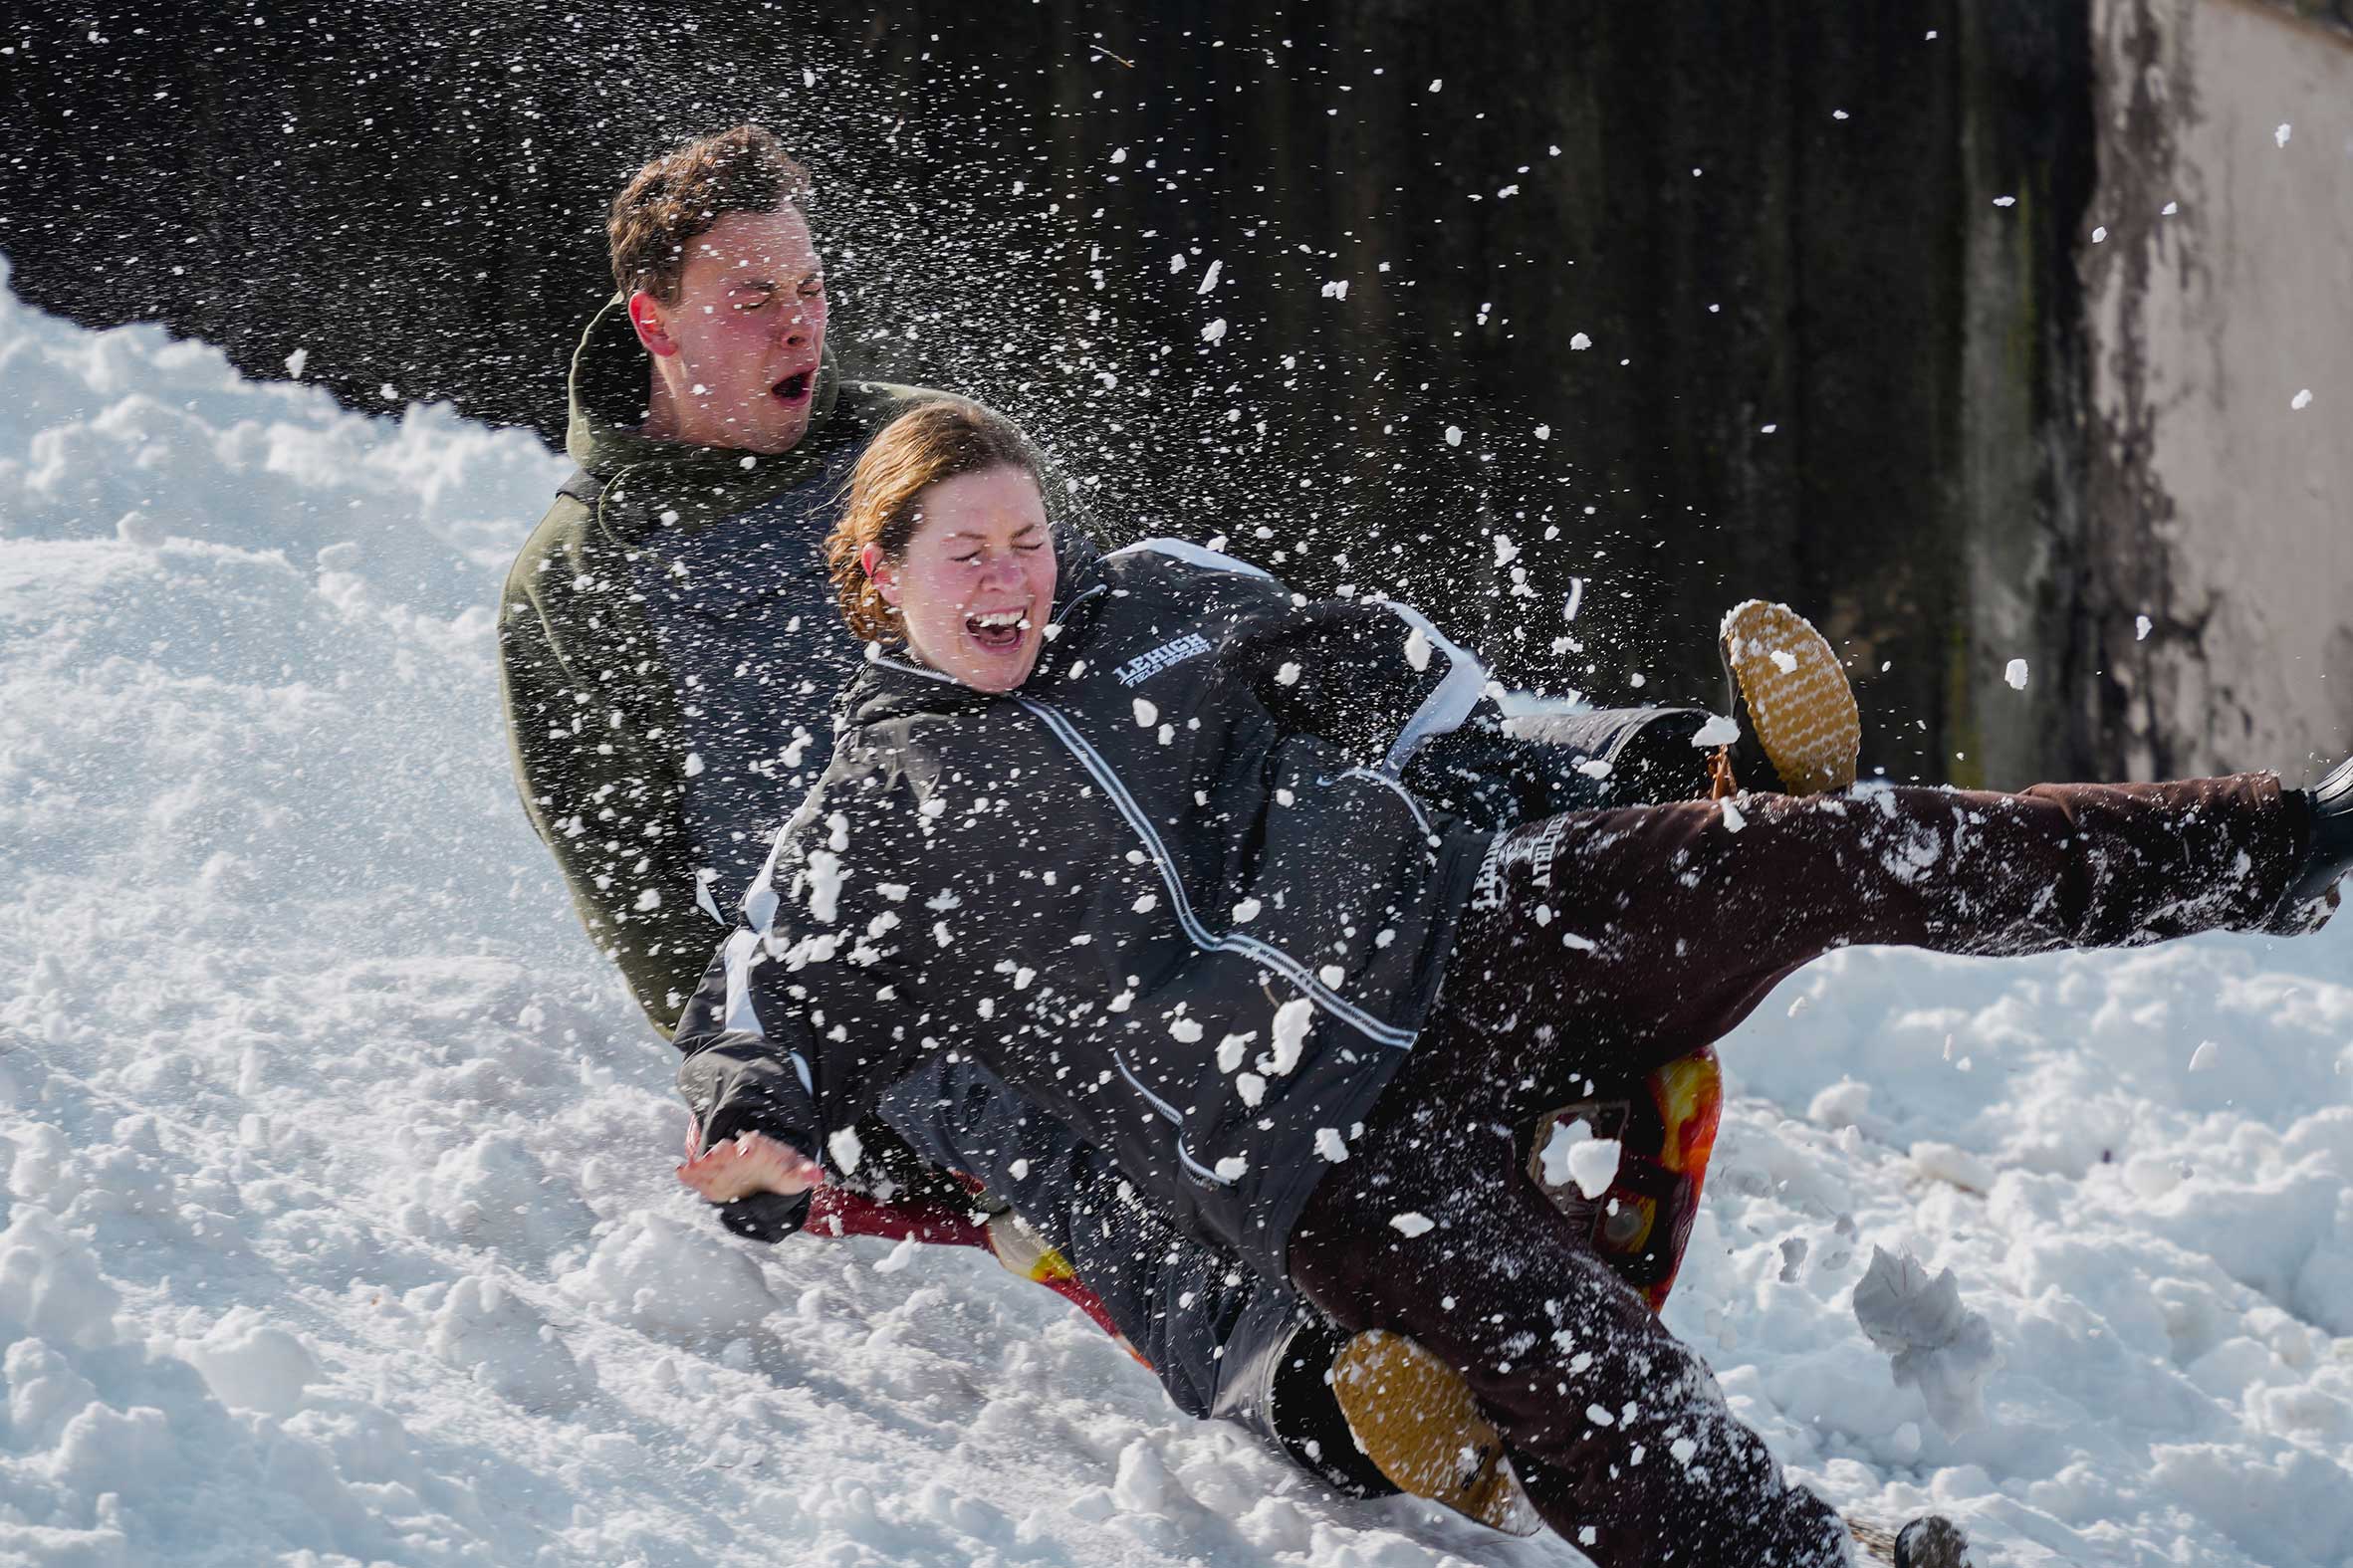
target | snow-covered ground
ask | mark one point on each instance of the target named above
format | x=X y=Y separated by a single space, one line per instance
x=339 y=1225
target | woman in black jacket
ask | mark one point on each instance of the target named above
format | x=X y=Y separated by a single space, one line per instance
x=1133 y=832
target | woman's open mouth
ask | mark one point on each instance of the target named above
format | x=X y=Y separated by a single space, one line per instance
x=999 y=631
x=794 y=388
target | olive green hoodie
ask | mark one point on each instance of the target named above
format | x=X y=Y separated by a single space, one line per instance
x=623 y=608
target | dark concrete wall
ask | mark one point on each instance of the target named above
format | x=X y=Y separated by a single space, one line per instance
x=413 y=193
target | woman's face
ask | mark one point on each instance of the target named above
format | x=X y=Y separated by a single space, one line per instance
x=976 y=582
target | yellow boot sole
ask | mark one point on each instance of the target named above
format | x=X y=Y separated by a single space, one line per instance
x=1800 y=704
x=1415 y=1418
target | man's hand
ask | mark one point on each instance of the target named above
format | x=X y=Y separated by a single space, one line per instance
x=749 y=1164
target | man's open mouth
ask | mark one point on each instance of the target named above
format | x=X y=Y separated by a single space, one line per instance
x=999 y=631
x=794 y=388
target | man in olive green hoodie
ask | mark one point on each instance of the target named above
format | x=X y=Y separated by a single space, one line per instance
x=668 y=636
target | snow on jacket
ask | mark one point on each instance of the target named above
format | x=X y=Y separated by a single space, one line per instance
x=1170 y=889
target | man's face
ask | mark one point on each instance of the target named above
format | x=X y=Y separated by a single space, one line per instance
x=738 y=353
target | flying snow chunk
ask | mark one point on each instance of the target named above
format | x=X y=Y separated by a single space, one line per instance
x=1246 y=911
x=1330 y=1145
x=1412 y=1225
x=1720 y=730
x=1291 y=1022
x=2099 y=234
x=1231 y=1168
x=2169 y=209
x=2005 y=201
x=1417 y=648
x=845 y=1149
x=1250 y=1088
x=1504 y=550
x=1574 y=1154
x=1215 y=331
x=1934 y=1342
x=1288 y=674
x=1436 y=84
x=1336 y=289
x=1119 y=154
x=1543 y=432
x=1579 y=340
x=1146 y=714
x=1184 y=1031
x=1176 y=262
x=1209 y=279
x=1734 y=821
x=295 y=362
x=1453 y=435
x=2140 y=628
x=2303 y=400
x=2279 y=137
x=2014 y=672
x=2202 y=1058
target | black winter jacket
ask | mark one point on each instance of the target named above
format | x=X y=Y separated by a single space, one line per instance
x=1169 y=888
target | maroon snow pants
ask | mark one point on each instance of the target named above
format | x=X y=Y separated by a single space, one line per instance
x=1603 y=944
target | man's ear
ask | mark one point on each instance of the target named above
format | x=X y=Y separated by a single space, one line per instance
x=646 y=316
x=879 y=571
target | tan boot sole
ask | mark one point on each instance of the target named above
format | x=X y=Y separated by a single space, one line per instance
x=1800 y=704
x=1415 y=1418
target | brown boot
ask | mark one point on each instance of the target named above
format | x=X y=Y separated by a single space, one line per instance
x=1415 y=1418
x=1800 y=708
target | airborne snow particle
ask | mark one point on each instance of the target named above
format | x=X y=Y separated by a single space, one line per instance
x=1766 y=429
x=1119 y=154
x=1579 y=340
x=1417 y=648
x=1734 y=821
x=2280 y=136
x=1184 y=1031
x=295 y=362
x=1176 y=262
x=2301 y=401
x=2140 y=628
x=1504 y=550
x=1412 y=1225
x=1330 y=1145
x=1146 y=714
x=1246 y=911
x=1543 y=432
x=845 y=1149
x=2099 y=234
x=1720 y=730
x=1292 y=1022
x=1231 y=1168
x=1288 y=674
x=2169 y=209
x=1209 y=279
x=694 y=764
x=2014 y=672
x=1453 y=435
x=1336 y=289
x=2202 y=1057
x=1215 y=331
x=1250 y=1088
x=1436 y=84
x=2005 y=201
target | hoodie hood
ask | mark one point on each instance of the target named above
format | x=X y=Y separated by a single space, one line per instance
x=609 y=381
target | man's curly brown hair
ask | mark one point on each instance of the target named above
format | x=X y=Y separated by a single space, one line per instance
x=677 y=198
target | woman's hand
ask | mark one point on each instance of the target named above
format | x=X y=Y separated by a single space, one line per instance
x=749 y=1164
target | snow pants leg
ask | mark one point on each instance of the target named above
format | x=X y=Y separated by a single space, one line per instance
x=1606 y=942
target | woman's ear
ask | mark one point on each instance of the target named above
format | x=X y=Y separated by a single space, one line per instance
x=877 y=569
x=645 y=317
